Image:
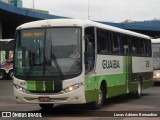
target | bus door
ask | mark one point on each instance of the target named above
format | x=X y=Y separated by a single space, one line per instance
x=89 y=50
x=89 y=60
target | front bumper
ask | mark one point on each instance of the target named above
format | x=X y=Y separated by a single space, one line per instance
x=73 y=97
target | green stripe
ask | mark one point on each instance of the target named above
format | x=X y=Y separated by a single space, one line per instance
x=31 y=85
x=40 y=86
x=49 y=85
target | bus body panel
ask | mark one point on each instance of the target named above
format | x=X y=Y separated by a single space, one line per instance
x=25 y=96
x=120 y=74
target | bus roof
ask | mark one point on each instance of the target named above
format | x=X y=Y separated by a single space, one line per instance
x=77 y=22
x=155 y=40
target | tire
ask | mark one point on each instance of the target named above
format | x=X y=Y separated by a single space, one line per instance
x=101 y=97
x=46 y=107
x=138 y=93
x=2 y=74
x=10 y=74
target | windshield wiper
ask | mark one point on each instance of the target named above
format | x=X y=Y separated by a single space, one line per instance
x=57 y=65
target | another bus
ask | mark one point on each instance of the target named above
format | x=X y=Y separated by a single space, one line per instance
x=6 y=58
x=71 y=61
x=156 y=59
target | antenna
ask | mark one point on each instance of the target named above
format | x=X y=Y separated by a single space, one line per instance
x=88 y=10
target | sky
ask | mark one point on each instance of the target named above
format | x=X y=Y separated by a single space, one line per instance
x=100 y=10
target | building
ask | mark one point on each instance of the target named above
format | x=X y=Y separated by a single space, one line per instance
x=17 y=3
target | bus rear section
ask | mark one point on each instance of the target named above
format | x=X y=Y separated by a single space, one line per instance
x=123 y=63
x=6 y=58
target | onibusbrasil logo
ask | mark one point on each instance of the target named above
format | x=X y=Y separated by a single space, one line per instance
x=20 y=114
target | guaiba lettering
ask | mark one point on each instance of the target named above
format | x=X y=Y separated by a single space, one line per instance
x=36 y=34
x=110 y=64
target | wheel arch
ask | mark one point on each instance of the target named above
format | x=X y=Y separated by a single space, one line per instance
x=103 y=83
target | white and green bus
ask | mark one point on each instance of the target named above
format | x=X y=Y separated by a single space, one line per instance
x=71 y=61
x=6 y=58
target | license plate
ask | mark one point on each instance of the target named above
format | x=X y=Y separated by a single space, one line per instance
x=44 y=99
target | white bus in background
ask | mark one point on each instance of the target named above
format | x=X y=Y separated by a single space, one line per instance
x=156 y=59
x=6 y=58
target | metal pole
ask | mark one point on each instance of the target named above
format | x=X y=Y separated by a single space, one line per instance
x=88 y=9
x=33 y=4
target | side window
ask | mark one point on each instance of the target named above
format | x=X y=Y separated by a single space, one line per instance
x=126 y=44
x=147 y=45
x=149 y=50
x=103 y=43
x=135 y=46
x=143 y=47
x=116 y=43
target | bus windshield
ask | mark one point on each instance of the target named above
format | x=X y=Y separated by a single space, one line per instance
x=48 y=52
x=156 y=55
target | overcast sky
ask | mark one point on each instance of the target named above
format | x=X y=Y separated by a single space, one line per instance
x=100 y=10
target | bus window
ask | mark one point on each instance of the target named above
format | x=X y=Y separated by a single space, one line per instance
x=103 y=42
x=149 y=50
x=126 y=44
x=142 y=47
x=89 y=49
x=135 y=46
x=116 y=46
x=147 y=45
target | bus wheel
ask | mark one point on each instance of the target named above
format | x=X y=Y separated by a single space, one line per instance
x=2 y=74
x=46 y=106
x=101 y=96
x=138 y=93
x=10 y=74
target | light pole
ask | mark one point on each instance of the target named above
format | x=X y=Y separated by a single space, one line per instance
x=88 y=10
x=33 y=4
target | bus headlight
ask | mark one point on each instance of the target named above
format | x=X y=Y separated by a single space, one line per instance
x=19 y=88
x=71 y=88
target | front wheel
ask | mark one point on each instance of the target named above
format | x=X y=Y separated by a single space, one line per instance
x=101 y=97
x=46 y=106
x=2 y=74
